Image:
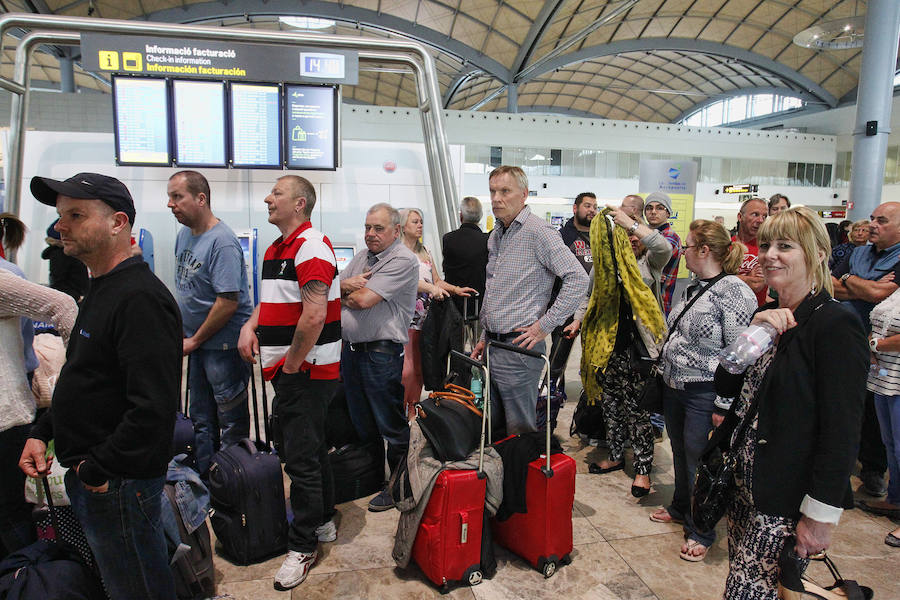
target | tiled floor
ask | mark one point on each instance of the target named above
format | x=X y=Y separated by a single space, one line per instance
x=619 y=552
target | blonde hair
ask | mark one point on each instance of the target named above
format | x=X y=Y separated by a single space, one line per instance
x=801 y=225
x=418 y=248
x=715 y=237
x=861 y=223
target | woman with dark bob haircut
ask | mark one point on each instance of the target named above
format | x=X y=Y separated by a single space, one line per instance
x=794 y=460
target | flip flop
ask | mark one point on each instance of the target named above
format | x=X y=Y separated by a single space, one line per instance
x=663 y=516
x=691 y=546
x=892 y=540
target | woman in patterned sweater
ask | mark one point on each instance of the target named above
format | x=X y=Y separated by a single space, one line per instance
x=690 y=357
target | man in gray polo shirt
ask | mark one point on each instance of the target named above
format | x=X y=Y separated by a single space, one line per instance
x=378 y=295
x=525 y=255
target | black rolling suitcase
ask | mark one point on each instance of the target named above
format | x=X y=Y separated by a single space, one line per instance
x=184 y=441
x=247 y=496
x=357 y=468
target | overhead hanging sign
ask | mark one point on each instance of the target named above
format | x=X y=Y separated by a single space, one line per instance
x=209 y=59
x=743 y=188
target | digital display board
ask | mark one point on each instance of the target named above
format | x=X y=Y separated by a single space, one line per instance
x=199 y=108
x=311 y=127
x=141 y=121
x=256 y=125
x=743 y=188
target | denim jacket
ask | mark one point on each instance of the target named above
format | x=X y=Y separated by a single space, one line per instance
x=191 y=497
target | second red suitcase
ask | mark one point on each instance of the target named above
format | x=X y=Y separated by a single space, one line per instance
x=543 y=535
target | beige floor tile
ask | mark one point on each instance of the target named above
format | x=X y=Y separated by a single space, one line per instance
x=607 y=502
x=596 y=572
x=387 y=583
x=655 y=560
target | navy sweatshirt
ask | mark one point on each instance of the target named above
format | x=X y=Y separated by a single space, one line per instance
x=115 y=401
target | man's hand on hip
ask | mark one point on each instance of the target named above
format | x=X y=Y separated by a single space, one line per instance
x=530 y=336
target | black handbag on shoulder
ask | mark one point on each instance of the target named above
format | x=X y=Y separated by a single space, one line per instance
x=451 y=422
x=714 y=483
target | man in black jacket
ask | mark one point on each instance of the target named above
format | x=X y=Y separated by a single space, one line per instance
x=465 y=251
x=114 y=405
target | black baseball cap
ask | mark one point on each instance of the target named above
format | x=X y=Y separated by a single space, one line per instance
x=87 y=186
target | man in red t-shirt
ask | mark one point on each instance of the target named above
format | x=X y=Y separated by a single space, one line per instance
x=751 y=216
x=298 y=322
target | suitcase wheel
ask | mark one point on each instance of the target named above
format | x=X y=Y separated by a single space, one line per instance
x=547 y=567
x=475 y=577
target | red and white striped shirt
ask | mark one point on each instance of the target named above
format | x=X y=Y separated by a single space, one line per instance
x=305 y=255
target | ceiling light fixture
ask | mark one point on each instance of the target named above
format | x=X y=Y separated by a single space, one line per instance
x=840 y=34
x=307 y=22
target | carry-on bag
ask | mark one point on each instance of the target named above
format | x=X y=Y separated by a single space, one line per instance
x=357 y=470
x=57 y=523
x=448 y=546
x=191 y=556
x=184 y=441
x=543 y=535
x=246 y=491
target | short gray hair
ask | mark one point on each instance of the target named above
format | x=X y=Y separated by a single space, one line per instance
x=391 y=211
x=515 y=172
x=470 y=210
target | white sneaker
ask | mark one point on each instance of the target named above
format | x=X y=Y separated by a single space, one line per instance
x=294 y=570
x=327 y=532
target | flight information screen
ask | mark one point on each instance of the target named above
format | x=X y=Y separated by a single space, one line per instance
x=141 y=121
x=311 y=126
x=199 y=108
x=255 y=125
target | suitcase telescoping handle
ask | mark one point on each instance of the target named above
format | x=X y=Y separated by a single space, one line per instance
x=486 y=391
x=548 y=472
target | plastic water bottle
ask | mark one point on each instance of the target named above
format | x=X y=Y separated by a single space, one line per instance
x=477 y=389
x=876 y=370
x=749 y=345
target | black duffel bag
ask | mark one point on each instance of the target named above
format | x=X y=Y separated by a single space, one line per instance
x=451 y=422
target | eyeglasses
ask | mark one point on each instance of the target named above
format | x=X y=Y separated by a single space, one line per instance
x=686 y=246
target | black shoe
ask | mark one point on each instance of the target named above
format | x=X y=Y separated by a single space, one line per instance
x=873 y=483
x=598 y=470
x=639 y=492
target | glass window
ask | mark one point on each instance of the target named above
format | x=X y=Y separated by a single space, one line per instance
x=740 y=108
x=715 y=114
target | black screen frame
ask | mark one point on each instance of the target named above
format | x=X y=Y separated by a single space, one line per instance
x=168 y=118
x=279 y=122
x=335 y=125
x=226 y=123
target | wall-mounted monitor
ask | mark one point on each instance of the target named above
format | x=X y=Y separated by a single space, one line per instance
x=141 y=121
x=255 y=125
x=311 y=127
x=200 y=124
x=343 y=255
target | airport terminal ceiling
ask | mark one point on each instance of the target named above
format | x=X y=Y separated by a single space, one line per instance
x=643 y=60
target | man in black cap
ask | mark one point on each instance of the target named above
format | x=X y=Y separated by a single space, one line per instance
x=114 y=404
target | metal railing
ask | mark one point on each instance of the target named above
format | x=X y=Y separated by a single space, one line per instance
x=50 y=29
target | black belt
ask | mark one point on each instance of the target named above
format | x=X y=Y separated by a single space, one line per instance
x=383 y=346
x=502 y=337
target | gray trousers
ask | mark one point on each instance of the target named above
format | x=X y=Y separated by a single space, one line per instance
x=514 y=390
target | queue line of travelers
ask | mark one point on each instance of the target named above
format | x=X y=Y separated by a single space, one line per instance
x=314 y=326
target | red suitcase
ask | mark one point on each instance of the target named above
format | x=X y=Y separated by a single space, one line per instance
x=543 y=535
x=448 y=541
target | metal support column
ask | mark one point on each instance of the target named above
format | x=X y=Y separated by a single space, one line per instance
x=67 y=75
x=873 y=106
x=512 y=98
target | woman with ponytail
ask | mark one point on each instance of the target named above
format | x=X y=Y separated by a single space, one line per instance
x=689 y=360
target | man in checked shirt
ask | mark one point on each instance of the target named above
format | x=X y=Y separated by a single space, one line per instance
x=525 y=255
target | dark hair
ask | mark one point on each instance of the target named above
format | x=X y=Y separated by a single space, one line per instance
x=580 y=197
x=12 y=231
x=196 y=184
x=776 y=198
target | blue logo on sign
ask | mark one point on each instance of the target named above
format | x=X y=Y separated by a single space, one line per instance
x=674 y=172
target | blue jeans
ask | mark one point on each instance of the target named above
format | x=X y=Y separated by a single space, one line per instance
x=16 y=527
x=218 y=394
x=124 y=529
x=301 y=405
x=888 y=409
x=689 y=421
x=375 y=398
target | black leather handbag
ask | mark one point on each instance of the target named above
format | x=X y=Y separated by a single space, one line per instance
x=714 y=482
x=451 y=422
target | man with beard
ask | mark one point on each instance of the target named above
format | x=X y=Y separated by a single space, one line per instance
x=751 y=216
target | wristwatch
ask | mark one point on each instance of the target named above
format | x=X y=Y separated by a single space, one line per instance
x=633 y=227
x=844 y=277
x=873 y=344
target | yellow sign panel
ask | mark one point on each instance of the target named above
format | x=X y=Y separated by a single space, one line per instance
x=132 y=61
x=109 y=60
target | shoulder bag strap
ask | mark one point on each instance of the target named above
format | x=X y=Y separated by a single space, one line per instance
x=690 y=303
